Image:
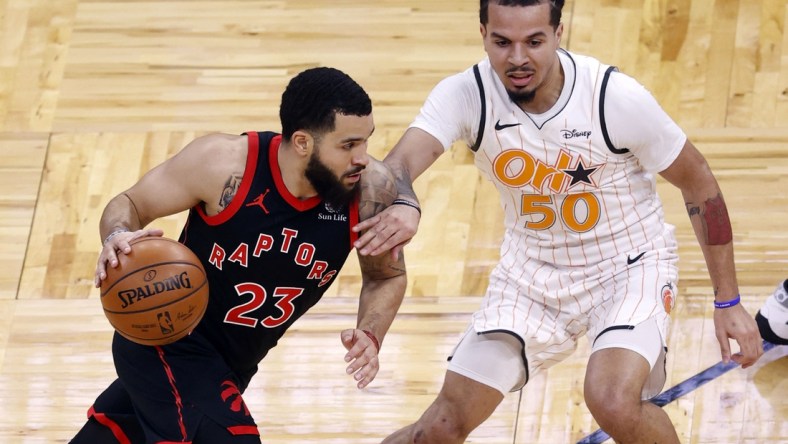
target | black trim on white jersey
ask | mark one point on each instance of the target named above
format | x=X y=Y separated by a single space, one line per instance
x=614 y=327
x=609 y=144
x=480 y=134
x=571 y=91
x=522 y=353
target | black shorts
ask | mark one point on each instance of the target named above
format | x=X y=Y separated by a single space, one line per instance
x=180 y=392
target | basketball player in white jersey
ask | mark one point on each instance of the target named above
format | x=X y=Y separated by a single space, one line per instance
x=573 y=148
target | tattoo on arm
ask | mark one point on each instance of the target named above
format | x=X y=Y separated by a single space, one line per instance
x=714 y=219
x=230 y=188
x=717 y=222
x=378 y=193
x=403 y=180
x=405 y=187
x=382 y=267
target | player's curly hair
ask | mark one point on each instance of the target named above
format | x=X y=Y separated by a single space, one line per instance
x=555 y=8
x=314 y=97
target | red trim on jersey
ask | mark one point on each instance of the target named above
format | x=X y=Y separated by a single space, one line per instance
x=175 y=392
x=276 y=173
x=243 y=430
x=353 y=215
x=246 y=183
x=113 y=426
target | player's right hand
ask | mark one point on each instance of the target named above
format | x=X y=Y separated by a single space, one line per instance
x=735 y=323
x=362 y=356
x=119 y=243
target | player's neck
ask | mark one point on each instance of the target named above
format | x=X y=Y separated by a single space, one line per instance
x=292 y=167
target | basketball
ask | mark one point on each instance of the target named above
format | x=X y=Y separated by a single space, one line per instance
x=157 y=294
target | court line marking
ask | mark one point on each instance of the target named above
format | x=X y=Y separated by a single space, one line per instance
x=680 y=389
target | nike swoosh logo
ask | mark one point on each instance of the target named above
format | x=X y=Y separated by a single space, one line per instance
x=499 y=127
x=632 y=260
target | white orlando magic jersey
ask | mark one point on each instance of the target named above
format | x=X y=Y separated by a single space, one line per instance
x=576 y=183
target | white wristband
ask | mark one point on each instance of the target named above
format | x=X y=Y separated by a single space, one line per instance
x=113 y=234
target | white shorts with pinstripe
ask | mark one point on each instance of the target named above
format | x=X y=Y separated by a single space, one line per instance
x=550 y=307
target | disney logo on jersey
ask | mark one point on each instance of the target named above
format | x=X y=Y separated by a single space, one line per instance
x=573 y=133
x=516 y=168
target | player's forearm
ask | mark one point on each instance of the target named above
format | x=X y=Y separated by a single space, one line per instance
x=410 y=157
x=722 y=271
x=402 y=179
x=712 y=227
x=379 y=302
x=119 y=214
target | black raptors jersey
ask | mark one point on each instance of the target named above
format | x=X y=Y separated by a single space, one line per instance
x=269 y=257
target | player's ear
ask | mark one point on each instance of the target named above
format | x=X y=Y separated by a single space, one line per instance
x=302 y=142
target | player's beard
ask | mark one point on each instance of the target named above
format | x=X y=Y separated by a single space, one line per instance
x=328 y=186
x=521 y=97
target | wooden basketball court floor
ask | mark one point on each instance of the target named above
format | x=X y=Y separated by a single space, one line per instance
x=95 y=92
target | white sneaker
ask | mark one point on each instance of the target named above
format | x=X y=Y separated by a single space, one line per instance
x=772 y=318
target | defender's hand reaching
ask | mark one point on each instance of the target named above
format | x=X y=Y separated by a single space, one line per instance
x=391 y=230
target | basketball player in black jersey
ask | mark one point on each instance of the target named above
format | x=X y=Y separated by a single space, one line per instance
x=270 y=217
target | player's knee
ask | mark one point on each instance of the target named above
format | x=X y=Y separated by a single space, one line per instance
x=611 y=406
x=441 y=425
x=439 y=430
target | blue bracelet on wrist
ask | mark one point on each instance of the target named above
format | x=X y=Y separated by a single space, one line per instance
x=726 y=304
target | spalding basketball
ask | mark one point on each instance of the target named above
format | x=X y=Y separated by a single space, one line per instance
x=157 y=294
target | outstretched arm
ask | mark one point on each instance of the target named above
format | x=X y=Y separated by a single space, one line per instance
x=206 y=170
x=397 y=224
x=709 y=216
x=383 y=284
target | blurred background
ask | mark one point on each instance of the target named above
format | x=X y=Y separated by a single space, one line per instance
x=93 y=93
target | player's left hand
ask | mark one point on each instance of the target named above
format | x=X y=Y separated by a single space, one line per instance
x=391 y=230
x=735 y=323
x=362 y=356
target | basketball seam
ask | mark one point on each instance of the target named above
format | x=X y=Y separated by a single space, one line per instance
x=140 y=339
x=204 y=283
x=157 y=264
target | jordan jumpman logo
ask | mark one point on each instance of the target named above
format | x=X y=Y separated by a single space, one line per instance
x=259 y=201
